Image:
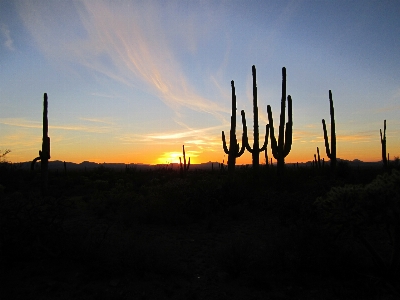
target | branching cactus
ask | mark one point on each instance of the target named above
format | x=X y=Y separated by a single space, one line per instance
x=331 y=153
x=256 y=150
x=184 y=168
x=44 y=154
x=383 y=143
x=282 y=148
x=233 y=151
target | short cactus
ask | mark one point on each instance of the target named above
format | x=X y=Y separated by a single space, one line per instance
x=184 y=167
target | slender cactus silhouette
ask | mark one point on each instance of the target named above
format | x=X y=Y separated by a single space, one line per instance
x=183 y=167
x=331 y=153
x=282 y=148
x=383 y=144
x=44 y=154
x=317 y=160
x=256 y=150
x=233 y=151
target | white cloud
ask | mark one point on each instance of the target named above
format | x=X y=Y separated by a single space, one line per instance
x=8 y=43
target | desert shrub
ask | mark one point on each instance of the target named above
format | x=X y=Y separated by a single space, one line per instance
x=30 y=226
x=236 y=256
x=370 y=215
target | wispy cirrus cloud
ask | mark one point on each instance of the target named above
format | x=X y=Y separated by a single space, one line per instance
x=126 y=41
x=19 y=122
x=96 y=120
x=8 y=41
x=202 y=137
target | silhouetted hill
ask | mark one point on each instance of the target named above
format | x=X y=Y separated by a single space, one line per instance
x=59 y=165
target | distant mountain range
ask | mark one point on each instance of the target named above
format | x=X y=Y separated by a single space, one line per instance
x=59 y=165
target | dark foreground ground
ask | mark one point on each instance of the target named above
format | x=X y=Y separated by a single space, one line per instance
x=154 y=235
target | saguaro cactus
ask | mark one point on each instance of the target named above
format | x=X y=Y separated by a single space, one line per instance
x=233 y=151
x=317 y=160
x=331 y=153
x=44 y=154
x=282 y=148
x=184 y=168
x=383 y=143
x=255 y=152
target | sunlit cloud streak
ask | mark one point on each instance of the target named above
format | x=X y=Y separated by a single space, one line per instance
x=97 y=120
x=19 y=122
x=127 y=42
x=204 y=138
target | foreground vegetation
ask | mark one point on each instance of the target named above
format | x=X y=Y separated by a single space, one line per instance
x=208 y=235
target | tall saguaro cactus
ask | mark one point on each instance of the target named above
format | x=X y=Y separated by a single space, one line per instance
x=383 y=143
x=44 y=154
x=331 y=153
x=282 y=148
x=255 y=152
x=233 y=151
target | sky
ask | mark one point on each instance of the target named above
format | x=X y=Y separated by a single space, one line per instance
x=133 y=81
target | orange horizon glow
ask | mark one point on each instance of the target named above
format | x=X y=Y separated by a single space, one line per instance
x=195 y=158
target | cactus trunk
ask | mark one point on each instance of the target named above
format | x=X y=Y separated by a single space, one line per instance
x=44 y=154
x=383 y=144
x=256 y=150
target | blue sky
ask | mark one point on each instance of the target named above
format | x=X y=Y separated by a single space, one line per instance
x=132 y=81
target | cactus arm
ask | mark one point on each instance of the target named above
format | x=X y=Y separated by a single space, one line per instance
x=245 y=137
x=266 y=143
x=264 y=147
x=289 y=129
x=245 y=141
x=282 y=116
x=33 y=162
x=274 y=145
x=328 y=152
x=243 y=148
x=224 y=143
x=288 y=140
x=333 y=129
